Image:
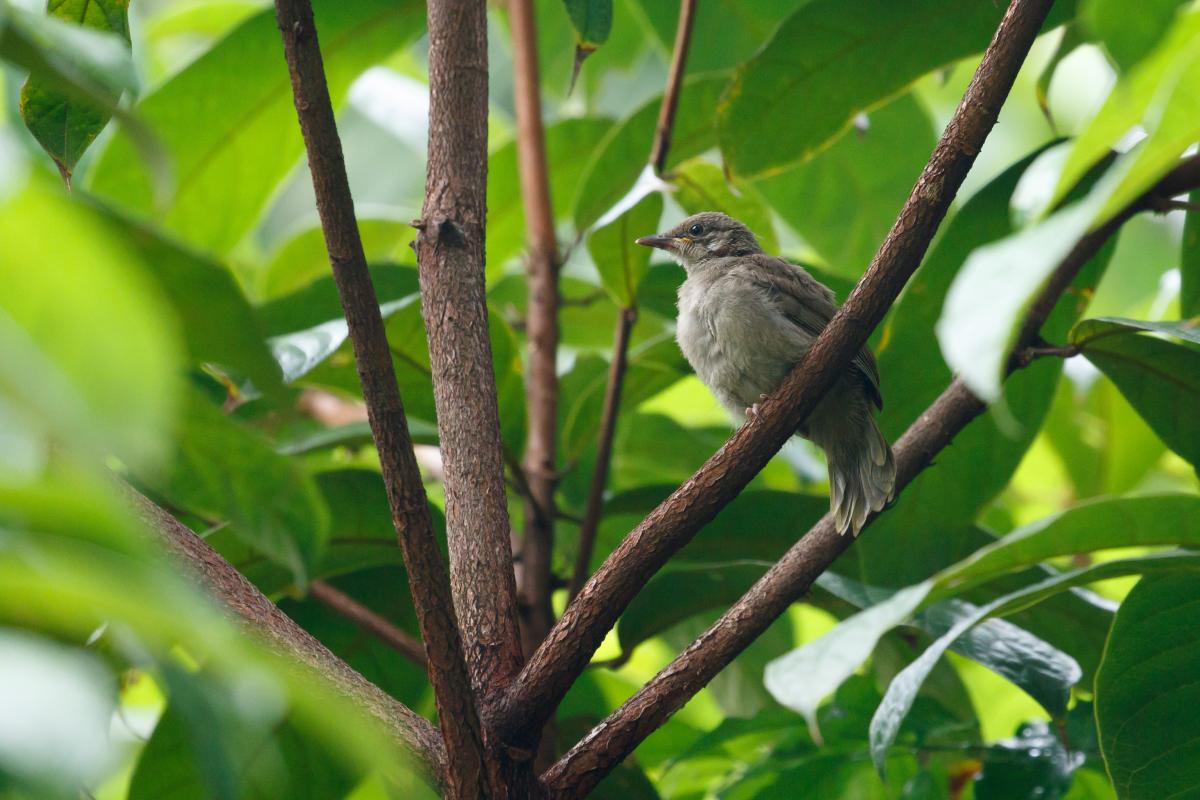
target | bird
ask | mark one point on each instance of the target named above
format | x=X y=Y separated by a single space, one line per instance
x=745 y=320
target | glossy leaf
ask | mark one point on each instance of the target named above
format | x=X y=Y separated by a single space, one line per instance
x=1128 y=37
x=1161 y=379
x=65 y=125
x=832 y=59
x=900 y=694
x=870 y=171
x=592 y=20
x=1137 y=521
x=622 y=262
x=1144 y=696
x=229 y=123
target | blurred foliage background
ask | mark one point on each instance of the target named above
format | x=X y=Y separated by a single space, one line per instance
x=171 y=320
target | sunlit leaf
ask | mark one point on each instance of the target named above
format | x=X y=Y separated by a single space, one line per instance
x=724 y=33
x=1144 y=694
x=1128 y=37
x=229 y=122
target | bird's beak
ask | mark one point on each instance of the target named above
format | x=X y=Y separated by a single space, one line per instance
x=659 y=241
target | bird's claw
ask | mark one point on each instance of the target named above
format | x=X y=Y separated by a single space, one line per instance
x=753 y=410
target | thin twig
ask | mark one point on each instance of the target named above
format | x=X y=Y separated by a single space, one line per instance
x=541 y=328
x=604 y=444
x=583 y=626
x=399 y=640
x=465 y=775
x=789 y=579
x=670 y=102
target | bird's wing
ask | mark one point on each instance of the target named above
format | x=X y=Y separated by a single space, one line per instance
x=807 y=304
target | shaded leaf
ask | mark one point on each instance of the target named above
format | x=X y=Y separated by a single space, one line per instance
x=1189 y=292
x=1146 y=690
x=833 y=59
x=902 y=691
x=844 y=200
x=1159 y=378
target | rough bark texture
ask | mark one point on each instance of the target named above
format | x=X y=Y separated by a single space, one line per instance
x=262 y=618
x=670 y=102
x=399 y=640
x=465 y=775
x=450 y=260
x=604 y=444
x=615 y=738
x=573 y=640
x=541 y=330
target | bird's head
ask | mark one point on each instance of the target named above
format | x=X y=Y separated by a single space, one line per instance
x=704 y=236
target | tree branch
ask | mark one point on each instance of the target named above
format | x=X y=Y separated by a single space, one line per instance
x=617 y=736
x=604 y=443
x=570 y=644
x=461 y=730
x=399 y=640
x=541 y=377
x=263 y=618
x=449 y=249
x=670 y=101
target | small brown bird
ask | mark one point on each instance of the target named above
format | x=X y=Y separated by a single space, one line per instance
x=745 y=320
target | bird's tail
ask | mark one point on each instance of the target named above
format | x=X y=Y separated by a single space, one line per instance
x=862 y=475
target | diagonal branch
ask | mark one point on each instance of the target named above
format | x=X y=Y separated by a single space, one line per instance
x=789 y=579
x=571 y=643
x=383 y=630
x=450 y=251
x=541 y=378
x=461 y=730
x=670 y=101
x=263 y=618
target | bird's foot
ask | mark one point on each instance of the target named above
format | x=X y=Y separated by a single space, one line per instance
x=752 y=411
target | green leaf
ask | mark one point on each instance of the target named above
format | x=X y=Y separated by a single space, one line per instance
x=303 y=259
x=622 y=262
x=592 y=20
x=1159 y=378
x=844 y=200
x=1153 y=94
x=318 y=302
x=1189 y=293
x=569 y=146
x=903 y=690
x=225 y=473
x=92 y=348
x=681 y=593
x=621 y=157
x=1146 y=691
x=1033 y=765
x=1128 y=37
x=299 y=353
x=1136 y=521
x=219 y=326
x=832 y=59
x=724 y=32
x=63 y=124
x=701 y=186
x=229 y=123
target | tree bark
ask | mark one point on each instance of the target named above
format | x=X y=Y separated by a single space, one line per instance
x=465 y=776
x=670 y=102
x=450 y=261
x=573 y=640
x=541 y=330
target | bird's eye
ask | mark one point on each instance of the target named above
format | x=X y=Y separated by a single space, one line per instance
x=696 y=229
